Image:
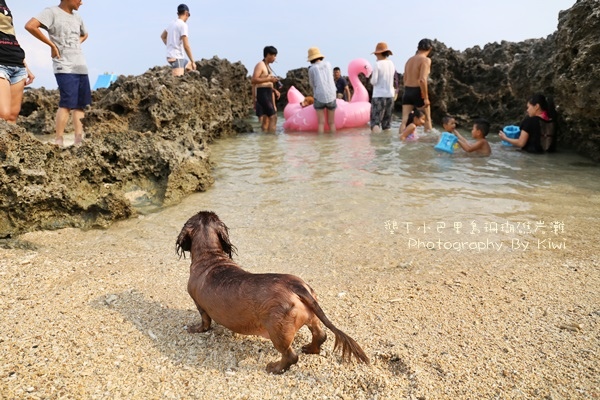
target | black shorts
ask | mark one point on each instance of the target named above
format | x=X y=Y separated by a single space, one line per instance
x=412 y=96
x=264 y=102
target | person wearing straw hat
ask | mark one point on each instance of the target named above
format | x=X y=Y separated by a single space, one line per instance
x=382 y=79
x=320 y=77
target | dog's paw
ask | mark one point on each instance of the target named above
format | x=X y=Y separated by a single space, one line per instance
x=311 y=349
x=275 y=368
x=198 y=328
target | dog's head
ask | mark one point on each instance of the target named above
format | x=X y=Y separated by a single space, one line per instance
x=204 y=231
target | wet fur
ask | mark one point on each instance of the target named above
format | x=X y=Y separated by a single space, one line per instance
x=274 y=306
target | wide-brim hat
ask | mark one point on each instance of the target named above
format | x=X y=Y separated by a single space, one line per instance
x=314 y=53
x=382 y=47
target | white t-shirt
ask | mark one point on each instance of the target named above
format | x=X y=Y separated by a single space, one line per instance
x=382 y=78
x=65 y=30
x=175 y=32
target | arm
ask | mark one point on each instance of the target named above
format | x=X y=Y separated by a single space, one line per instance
x=33 y=26
x=520 y=142
x=30 y=76
x=423 y=74
x=408 y=131
x=83 y=38
x=468 y=147
x=188 y=50
x=163 y=36
x=347 y=93
x=374 y=75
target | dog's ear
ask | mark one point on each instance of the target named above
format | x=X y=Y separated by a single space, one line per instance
x=184 y=241
x=223 y=234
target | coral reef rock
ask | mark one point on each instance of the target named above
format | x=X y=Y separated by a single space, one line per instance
x=146 y=147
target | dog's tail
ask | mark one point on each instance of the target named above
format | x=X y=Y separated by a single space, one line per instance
x=348 y=346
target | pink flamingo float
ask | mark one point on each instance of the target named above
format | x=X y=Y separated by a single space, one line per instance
x=352 y=114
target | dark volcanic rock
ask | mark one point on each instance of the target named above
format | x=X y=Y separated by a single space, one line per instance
x=146 y=145
x=576 y=68
x=495 y=82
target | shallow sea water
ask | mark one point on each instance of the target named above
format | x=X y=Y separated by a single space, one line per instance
x=376 y=183
x=304 y=187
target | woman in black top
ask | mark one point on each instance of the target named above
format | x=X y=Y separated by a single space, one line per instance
x=538 y=128
x=14 y=74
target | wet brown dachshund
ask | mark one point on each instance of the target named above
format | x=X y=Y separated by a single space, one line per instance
x=274 y=306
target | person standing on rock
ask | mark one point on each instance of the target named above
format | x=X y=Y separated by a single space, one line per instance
x=175 y=37
x=263 y=92
x=416 y=93
x=66 y=33
x=14 y=74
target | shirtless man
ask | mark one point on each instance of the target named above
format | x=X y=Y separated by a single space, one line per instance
x=416 y=94
x=263 y=92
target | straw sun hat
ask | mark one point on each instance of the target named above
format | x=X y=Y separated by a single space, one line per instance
x=382 y=47
x=314 y=53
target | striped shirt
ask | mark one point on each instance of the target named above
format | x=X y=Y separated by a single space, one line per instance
x=320 y=76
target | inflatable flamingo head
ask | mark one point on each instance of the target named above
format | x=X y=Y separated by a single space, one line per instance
x=359 y=66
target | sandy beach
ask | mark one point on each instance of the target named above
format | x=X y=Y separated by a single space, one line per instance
x=103 y=314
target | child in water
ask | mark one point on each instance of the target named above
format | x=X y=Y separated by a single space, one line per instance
x=449 y=124
x=481 y=128
x=415 y=118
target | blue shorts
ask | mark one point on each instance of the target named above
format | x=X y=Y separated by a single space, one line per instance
x=13 y=74
x=75 y=92
x=332 y=105
x=178 y=63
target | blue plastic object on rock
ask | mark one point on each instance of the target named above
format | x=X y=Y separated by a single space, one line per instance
x=104 y=81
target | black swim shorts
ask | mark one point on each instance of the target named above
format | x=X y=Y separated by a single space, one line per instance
x=412 y=96
x=264 y=102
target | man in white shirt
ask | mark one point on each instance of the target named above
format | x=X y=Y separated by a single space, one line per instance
x=175 y=37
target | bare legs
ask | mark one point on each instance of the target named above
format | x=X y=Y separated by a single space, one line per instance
x=62 y=117
x=406 y=109
x=11 y=97
x=428 y=124
x=330 y=120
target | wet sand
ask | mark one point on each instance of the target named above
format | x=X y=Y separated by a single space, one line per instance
x=102 y=314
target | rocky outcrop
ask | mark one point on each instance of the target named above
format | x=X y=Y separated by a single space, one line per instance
x=146 y=146
x=576 y=80
x=496 y=81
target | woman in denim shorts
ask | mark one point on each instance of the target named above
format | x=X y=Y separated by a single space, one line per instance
x=14 y=74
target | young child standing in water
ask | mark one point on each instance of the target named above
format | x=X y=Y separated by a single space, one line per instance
x=415 y=118
x=481 y=128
